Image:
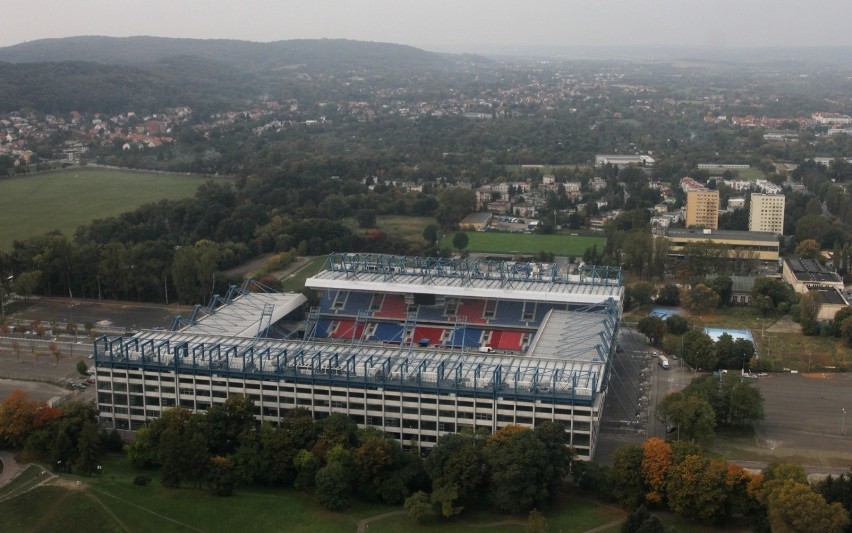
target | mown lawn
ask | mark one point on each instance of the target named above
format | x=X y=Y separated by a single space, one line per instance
x=408 y=228
x=112 y=502
x=525 y=243
x=66 y=199
x=297 y=282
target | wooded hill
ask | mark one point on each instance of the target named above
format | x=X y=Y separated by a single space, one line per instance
x=309 y=54
x=146 y=74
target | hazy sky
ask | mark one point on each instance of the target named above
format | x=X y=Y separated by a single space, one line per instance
x=446 y=24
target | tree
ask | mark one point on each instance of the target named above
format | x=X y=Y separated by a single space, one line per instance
x=519 y=464
x=677 y=324
x=454 y=203
x=656 y=461
x=777 y=289
x=306 y=464
x=839 y=317
x=641 y=293
x=55 y=352
x=807 y=249
x=740 y=403
x=625 y=476
x=460 y=240
x=89 y=449
x=701 y=299
x=17 y=419
x=809 y=307
x=693 y=416
x=641 y=521
x=697 y=489
x=796 y=507
x=430 y=234
x=221 y=478
x=653 y=328
x=724 y=287
x=456 y=461
x=82 y=367
x=366 y=218
x=228 y=424
x=845 y=331
x=334 y=486
x=419 y=507
x=26 y=282
x=837 y=489
x=536 y=523
x=668 y=295
x=699 y=350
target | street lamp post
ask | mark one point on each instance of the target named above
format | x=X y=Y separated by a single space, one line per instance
x=843 y=423
x=822 y=387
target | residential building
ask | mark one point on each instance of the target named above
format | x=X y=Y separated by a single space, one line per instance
x=766 y=213
x=702 y=209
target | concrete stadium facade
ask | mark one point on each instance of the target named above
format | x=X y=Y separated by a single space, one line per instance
x=413 y=387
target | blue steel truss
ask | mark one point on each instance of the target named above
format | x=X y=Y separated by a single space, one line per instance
x=431 y=268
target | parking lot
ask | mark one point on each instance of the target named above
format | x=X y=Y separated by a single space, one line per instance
x=27 y=362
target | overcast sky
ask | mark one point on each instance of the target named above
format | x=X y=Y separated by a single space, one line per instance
x=446 y=24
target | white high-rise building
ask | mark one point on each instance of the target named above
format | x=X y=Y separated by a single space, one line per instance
x=766 y=213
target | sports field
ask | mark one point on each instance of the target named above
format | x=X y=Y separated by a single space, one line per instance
x=64 y=200
x=751 y=174
x=525 y=243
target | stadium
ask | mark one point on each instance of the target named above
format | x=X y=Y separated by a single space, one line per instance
x=417 y=347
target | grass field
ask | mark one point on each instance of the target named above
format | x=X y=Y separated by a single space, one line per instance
x=297 y=282
x=751 y=174
x=112 y=502
x=64 y=200
x=523 y=243
x=409 y=228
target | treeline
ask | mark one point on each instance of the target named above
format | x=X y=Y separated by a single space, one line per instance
x=681 y=478
x=515 y=469
x=68 y=438
x=175 y=249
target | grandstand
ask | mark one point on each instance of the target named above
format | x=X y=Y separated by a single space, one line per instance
x=417 y=347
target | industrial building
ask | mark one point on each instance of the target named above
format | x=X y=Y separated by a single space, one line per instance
x=806 y=275
x=417 y=347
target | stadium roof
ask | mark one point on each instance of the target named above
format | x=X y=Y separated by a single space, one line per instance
x=247 y=315
x=569 y=359
x=505 y=280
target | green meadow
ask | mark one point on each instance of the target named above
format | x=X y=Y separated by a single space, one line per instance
x=63 y=200
x=526 y=243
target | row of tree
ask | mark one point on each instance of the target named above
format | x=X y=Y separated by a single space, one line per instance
x=515 y=469
x=67 y=437
x=681 y=478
